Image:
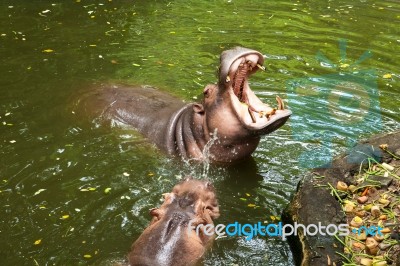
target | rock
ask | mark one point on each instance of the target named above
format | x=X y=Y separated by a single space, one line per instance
x=305 y=207
x=379 y=180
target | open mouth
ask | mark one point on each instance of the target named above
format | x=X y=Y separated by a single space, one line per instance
x=252 y=112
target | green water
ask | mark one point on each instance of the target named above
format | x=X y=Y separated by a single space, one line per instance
x=55 y=165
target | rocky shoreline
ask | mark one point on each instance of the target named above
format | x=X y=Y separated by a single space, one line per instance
x=360 y=188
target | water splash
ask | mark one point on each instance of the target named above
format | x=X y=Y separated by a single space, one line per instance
x=207 y=155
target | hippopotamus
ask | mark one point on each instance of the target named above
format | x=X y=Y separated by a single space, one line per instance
x=225 y=126
x=169 y=240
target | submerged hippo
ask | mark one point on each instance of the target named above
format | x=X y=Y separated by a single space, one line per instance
x=168 y=240
x=230 y=115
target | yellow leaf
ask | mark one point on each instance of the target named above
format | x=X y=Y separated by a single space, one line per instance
x=134 y=64
x=37 y=242
x=48 y=51
x=66 y=216
x=251 y=205
x=387 y=76
x=87 y=256
x=107 y=190
x=272 y=218
x=92 y=189
x=248 y=195
x=344 y=65
x=150 y=174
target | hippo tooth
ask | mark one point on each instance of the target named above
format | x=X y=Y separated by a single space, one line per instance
x=281 y=105
x=253 y=118
x=227 y=79
x=261 y=67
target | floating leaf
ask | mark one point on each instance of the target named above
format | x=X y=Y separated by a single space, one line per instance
x=107 y=190
x=125 y=174
x=12 y=141
x=92 y=189
x=251 y=205
x=248 y=195
x=39 y=191
x=48 y=51
x=137 y=65
x=243 y=199
x=7 y=114
x=77 y=210
x=150 y=174
x=387 y=76
x=66 y=216
x=87 y=256
x=37 y=242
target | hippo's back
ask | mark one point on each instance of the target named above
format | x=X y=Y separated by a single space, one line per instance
x=145 y=108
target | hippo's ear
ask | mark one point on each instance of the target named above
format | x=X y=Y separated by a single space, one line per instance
x=198 y=108
x=155 y=212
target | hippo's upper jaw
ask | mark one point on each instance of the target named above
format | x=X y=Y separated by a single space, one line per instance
x=236 y=66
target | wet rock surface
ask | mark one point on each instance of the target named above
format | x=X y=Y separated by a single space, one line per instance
x=313 y=202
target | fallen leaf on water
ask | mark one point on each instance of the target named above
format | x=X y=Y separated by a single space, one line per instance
x=66 y=216
x=243 y=199
x=387 y=76
x=251 y=205
x=48 y=51
x=7 y=114
x=87 y=256
x=37 y=242
x=107 y=190
x=137 y=65
x=12 y=141
x=39 y=191
x=248 y=195
x=92 y=189
x=125 y=174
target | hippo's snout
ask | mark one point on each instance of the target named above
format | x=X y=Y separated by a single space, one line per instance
x=168 y=240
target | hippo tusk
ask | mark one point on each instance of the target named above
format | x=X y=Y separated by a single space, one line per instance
x=281 y=105
x=261 y=67
x=253 y=118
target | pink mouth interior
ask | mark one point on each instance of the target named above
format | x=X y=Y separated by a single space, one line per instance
x=253 y=113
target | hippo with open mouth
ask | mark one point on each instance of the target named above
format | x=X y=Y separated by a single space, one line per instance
x=169 y=240
x=228 y=123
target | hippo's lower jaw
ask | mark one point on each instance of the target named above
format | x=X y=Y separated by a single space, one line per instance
x=250 y=110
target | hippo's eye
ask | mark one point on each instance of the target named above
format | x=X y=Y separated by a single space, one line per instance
x=206 y=92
